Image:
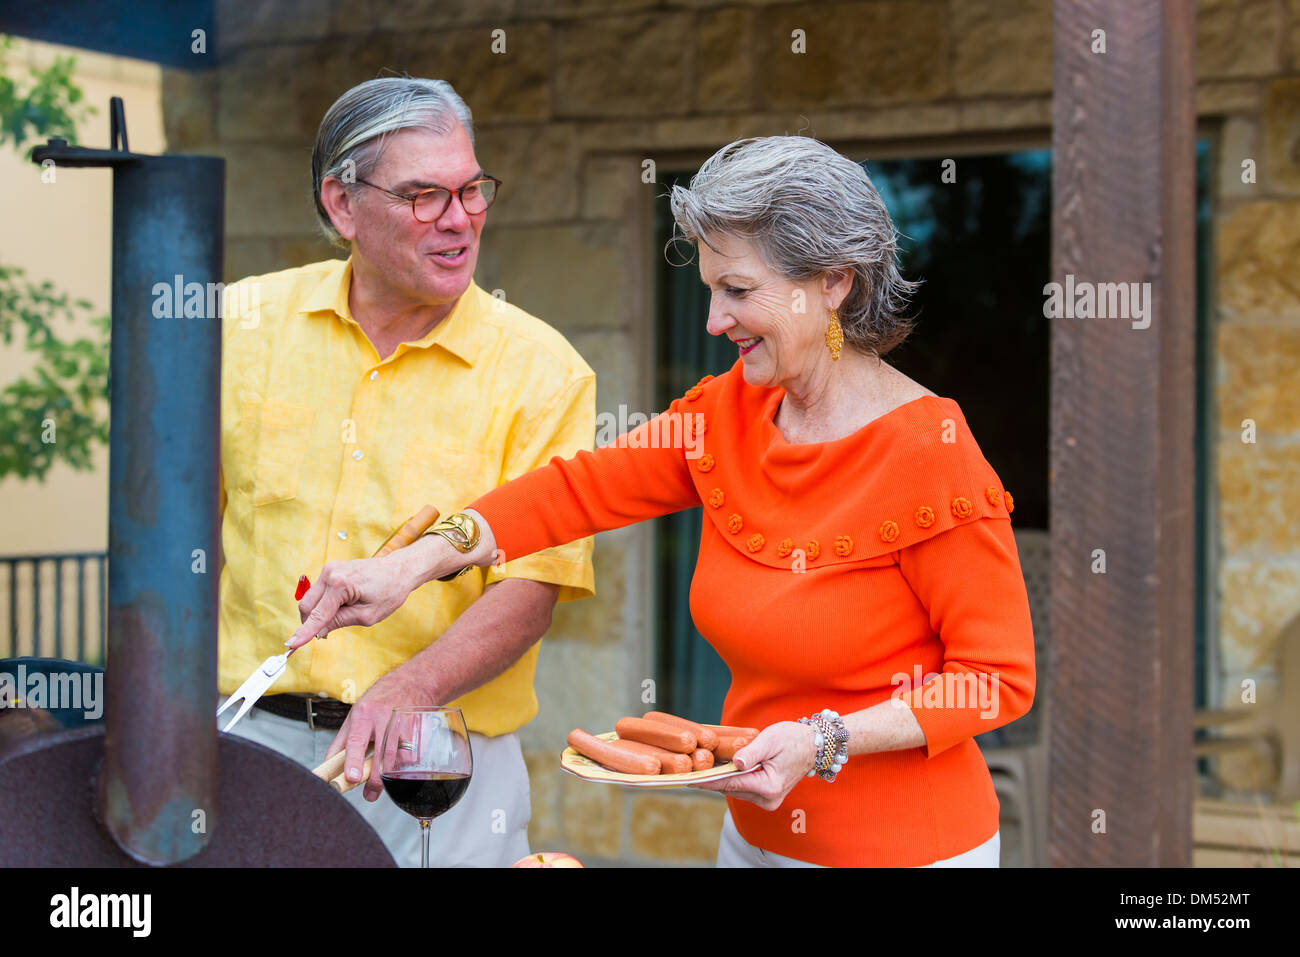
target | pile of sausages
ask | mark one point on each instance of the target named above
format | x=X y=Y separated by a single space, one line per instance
x=660 y=743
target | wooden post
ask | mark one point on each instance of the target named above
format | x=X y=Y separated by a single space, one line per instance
x=1122 y=425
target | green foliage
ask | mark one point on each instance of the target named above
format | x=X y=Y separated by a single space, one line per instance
x=49 y=105
x=68 y=386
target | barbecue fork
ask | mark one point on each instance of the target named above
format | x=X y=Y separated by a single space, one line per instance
x=270 y=670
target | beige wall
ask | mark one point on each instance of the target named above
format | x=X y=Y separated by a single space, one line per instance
x=62 y=231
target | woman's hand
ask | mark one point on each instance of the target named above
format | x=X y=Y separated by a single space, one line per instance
x=367 y=590
x=782 y=755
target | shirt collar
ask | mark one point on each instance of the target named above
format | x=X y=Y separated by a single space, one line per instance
x=459 y=333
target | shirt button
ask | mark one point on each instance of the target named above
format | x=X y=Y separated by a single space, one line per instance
x=343 y=536
x=374 y=376
x=357 y=454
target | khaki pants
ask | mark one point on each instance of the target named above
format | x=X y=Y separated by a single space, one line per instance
x=488 y=827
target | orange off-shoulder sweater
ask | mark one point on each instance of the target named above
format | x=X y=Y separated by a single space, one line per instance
x=830 y=575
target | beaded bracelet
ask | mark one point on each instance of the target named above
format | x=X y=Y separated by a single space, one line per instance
x=832 y=743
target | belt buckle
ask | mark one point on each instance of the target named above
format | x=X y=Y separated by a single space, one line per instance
x=311 y=716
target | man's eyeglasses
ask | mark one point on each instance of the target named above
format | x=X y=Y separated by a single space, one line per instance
x=428 y=204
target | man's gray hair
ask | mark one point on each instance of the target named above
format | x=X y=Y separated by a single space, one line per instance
x=809 y=211
x=351 y=137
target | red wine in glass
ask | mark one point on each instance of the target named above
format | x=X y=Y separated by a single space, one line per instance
x=427 y=764
x=425 y=794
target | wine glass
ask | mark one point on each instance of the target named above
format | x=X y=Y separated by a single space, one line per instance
x=427 y=764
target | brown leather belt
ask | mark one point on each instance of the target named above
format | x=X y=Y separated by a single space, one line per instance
x=317 y=712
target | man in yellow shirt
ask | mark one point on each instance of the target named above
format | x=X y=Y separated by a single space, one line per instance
x=356 y=392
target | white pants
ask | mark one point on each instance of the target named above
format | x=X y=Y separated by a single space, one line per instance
x=735 y=851
x=488 y=827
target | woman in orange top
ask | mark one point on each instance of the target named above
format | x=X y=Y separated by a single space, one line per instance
x=857 y=567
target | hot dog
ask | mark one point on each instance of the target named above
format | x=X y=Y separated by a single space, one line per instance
x=704 y=737
x=726 y=731
x=660 y=735
x=701 y=759
x=616 y=759
x=727 y=747
x=670 y=762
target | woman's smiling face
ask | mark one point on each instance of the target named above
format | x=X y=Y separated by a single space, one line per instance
x=777 y=324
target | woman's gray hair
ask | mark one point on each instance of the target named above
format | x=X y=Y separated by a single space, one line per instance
x=809 y=211
x=351 y=137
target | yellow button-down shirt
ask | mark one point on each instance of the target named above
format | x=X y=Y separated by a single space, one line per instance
x=326 y=448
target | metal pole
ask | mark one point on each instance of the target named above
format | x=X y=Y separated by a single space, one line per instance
x=160 y=746
x=157 y=791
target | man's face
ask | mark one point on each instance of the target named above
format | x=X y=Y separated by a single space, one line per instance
x=431 y=263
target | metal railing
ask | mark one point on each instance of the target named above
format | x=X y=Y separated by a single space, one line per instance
x=44 y=615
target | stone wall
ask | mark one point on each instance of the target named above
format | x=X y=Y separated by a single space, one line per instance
x=586 y=90
x=1253 y=48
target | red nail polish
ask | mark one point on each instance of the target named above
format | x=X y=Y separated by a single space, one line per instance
x=304 y=584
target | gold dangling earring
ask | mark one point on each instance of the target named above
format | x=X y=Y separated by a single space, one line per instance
x=834 y=336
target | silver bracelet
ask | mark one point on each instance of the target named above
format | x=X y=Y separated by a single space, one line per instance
x=832 y=741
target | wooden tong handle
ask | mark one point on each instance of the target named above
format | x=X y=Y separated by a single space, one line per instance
x=331 y=770
x=415 y=526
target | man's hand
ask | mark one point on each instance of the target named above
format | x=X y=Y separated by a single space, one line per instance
x=484 y=641
x=368 y=720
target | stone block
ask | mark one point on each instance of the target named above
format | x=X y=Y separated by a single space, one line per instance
x=189 y=109
x=1229 y=690
x=599 y=618
x=539 y=166
x=544 y=791
x=1259 y=378
x=1259 y=497
x=675 y=827
x=610 y=183
x=587 y=8
x=258 y=98
x=623 y=66
x=1291 y=51
x=1257 y=599
x=1258 y=247
x=268 y=191
x=580 y=684
x=1239 y=141
x=329 y=68
x=1222 y=97
x=249 y=257
x=296 y=251
x=1237 y=38
x=243 y=23
x=614 y=355
x=592 y=815
x=1281 y=167
x=1019 y=114
x=857 y=54
x=526 y=263
x=724 y=60
x=1001 y=48
x=363 y=17
x=1248 y=770
x=920 y=119
x=510 y=86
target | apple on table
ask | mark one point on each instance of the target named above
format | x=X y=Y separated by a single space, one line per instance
x=547 y=859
